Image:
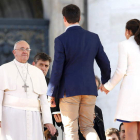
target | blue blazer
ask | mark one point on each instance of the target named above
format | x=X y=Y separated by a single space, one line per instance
x=72 y=71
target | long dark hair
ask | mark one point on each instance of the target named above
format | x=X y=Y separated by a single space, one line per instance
x=134 y=26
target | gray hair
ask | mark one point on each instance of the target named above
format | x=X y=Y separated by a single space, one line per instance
x=18 y=42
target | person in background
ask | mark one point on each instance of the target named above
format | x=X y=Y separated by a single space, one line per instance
x=43 y=61
x=112 y=134
x=122 y=131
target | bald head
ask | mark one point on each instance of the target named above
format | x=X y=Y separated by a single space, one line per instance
x=21 y=51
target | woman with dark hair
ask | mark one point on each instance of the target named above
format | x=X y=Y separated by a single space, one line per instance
x=128 y=107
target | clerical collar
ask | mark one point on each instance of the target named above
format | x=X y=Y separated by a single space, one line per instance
x=72 y=26
x=20 y=64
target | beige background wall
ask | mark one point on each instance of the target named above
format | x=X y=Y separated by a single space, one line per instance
x=108 y=18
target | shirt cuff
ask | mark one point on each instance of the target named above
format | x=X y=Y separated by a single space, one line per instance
x=108 y=86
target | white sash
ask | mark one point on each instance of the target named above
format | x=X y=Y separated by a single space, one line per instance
x=21 y=103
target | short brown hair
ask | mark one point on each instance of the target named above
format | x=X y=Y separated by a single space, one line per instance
x=42 y=56
x=71 y=13
x=111 y=131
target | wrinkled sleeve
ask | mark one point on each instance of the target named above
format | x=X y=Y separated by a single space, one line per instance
x=121 y=68
x=45 y=108
x=103 y=63
x=1 y=99
x=57 y=68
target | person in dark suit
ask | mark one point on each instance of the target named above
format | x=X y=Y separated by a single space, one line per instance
x=98 y=119
x=72 y=77
x=42 y=61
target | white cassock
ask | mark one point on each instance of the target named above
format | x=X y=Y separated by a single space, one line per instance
x=20 y=111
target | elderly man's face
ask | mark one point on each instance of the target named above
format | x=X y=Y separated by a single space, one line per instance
x=21 y=52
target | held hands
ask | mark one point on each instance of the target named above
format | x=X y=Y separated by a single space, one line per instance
x=102 y=88
x=51 y=128
x=51 y=101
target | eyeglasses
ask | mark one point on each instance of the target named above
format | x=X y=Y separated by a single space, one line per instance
x=22 y=49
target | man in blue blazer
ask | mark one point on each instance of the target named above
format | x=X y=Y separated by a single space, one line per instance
x=72 y=79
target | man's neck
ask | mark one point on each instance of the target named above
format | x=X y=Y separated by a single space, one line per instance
x=71 y=24
x=24 y=62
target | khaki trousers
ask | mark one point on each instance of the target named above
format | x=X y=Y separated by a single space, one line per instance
x=78 y=108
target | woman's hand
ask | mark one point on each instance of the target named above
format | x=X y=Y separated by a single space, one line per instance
x=102 y=88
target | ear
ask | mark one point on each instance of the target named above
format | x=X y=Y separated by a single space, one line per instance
x=80 y=19
x=13 y=52
x=130 y=32
x=64 y=19
x=127 y=31
x=33 y=63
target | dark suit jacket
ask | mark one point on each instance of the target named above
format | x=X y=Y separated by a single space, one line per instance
x=72 y=71
x=47 y=80
x=98 y=125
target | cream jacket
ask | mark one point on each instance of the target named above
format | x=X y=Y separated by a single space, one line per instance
x=128 y=107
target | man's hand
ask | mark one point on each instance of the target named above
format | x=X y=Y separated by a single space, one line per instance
x=51 y=101
x=102 y=88
x=58 y=118
x=51 y=128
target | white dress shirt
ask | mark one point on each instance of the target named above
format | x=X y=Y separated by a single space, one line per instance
x=71 y=26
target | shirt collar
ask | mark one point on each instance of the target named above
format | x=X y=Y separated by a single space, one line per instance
x=131 y=37
x=20 y=64
x=72 y=26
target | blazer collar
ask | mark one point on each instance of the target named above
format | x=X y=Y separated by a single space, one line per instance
x=73 y=28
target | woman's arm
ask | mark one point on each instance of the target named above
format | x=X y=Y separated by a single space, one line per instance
x=121 y=68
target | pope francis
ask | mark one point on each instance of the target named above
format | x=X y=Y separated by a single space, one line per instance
x=23 y=102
